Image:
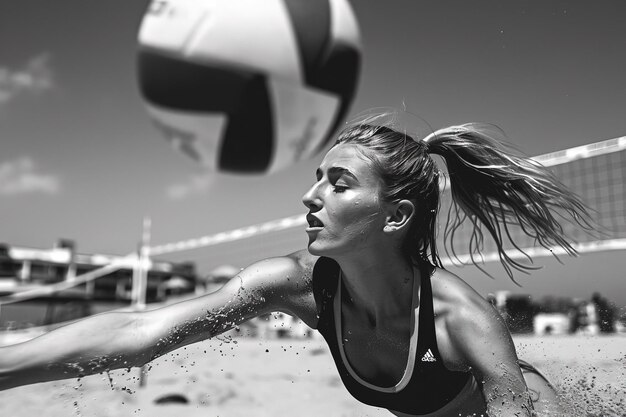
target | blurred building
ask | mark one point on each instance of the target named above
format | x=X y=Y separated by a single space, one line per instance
x=38 y=270
x=606 y=313
x=586 y=320
x=556 y=315
x=517 y=310
x=551 y=323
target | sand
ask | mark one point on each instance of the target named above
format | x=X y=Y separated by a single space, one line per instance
x=286 y=377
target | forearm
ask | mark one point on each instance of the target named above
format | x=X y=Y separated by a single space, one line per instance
x=123 y=340
x=507 y=401
x=514 y=409
x=93 y=345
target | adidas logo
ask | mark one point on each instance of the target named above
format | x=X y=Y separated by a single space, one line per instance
x=429 y=357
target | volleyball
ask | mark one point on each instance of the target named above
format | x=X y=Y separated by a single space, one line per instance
x=248 y=86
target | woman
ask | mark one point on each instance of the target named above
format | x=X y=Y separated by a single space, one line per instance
x=405 y=334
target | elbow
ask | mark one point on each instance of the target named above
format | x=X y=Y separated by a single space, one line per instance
x=139 y=341
x=120 y=340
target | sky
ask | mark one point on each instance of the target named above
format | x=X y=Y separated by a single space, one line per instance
x=80 y=159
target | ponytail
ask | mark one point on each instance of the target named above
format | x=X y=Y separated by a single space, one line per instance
x=495 y=188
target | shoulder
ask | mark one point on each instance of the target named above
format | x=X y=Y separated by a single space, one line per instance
x=285 y=283
x=478 y=341
x=285 y=273
x=470 y=325
x=456 y=299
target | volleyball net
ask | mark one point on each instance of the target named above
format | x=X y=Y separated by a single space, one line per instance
x=596 y=172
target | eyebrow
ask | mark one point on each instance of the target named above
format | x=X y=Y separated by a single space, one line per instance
x=337 y=172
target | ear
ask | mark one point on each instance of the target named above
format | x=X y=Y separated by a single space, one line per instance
x=400 y=215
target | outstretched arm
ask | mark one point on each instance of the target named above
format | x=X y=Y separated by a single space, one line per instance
x=481 y=337
x=126 y=339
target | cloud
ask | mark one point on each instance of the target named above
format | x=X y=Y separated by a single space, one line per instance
x=20 y=176
x=35 y=77
x=196 y=185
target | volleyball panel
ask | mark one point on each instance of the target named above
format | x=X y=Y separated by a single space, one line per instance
x=328 y=43
x=256 y=35
x=194 y=134
x=344 y=27
x=339 y=75
x=310 y=22
x=177 y=85
x=340 y=68
x=302 y=117
x=168 y=25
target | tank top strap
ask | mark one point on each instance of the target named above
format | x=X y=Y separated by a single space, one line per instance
x=427 y=339
x=325 y=280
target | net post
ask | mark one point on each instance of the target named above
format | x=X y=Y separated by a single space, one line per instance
x=140 y=281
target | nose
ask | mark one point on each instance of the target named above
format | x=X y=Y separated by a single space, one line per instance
x=311 y=199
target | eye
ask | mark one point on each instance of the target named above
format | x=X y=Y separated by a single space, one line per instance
x=339 y=188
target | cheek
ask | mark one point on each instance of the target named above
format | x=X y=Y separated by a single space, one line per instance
x=359 y=216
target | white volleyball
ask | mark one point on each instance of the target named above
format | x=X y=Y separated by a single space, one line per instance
x=249 y=86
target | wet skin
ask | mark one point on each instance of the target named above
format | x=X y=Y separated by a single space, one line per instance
x=345 y=198
x=348 y=225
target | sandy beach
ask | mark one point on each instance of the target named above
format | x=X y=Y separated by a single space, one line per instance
x=285 y=377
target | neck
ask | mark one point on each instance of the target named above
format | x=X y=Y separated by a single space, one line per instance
x=381 y=285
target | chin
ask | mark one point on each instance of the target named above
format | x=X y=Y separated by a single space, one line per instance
x=317 y=249
x=314 y=251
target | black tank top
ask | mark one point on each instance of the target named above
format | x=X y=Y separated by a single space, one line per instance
x=427 y=384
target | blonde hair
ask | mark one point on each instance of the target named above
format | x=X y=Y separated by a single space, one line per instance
x=493 y=187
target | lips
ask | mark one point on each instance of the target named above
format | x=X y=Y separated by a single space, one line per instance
x=313 y=221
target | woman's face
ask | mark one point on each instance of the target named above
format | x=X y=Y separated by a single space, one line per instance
x=346 y=214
